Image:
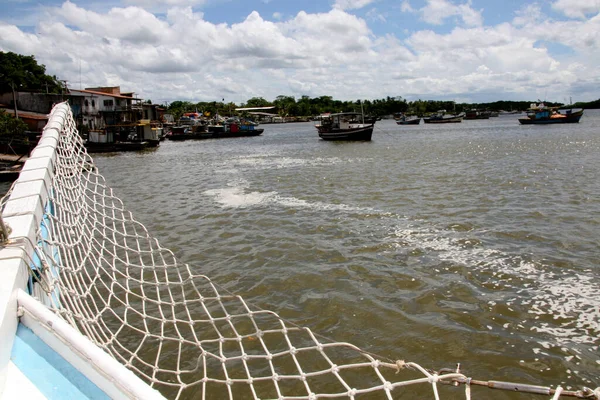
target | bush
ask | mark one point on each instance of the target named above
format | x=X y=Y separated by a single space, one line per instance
x=12 y=127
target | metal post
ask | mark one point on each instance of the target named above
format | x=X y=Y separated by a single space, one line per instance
x=12 y=85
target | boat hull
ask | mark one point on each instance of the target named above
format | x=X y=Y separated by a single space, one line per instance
x=216 y=135
x=451 y=120
x=415 y=121
x=563 y=119
x=363 y=133
x=94 y=147
x=527 y=121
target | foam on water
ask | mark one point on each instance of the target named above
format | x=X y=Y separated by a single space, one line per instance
x=240 y=197
x=572 y=299
x=236 y=197
x=272 y=160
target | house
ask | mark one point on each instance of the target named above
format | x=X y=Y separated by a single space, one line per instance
x=35 y=121
x=95 y=108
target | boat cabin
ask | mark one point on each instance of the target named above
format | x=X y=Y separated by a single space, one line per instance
x=341 y=120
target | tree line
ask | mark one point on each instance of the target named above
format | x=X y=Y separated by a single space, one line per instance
x=305 y=106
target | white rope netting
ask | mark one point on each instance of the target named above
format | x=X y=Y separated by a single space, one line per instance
x=101 y=271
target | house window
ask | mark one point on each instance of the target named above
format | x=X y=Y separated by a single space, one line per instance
x=87 y=103
x=108 y=103
x=93 y=103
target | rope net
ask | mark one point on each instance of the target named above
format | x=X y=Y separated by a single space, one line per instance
x=101 y=271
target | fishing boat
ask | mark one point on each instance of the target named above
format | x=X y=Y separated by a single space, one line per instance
x=233 y=127
x=403 y=120
x=182 y=132
x=218 y=129
x=543 y=115
x=109 y=140
x=344 y=126
x=476 y=114
x=442 y=118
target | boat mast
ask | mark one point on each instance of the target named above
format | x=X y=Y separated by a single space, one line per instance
x=362 y=112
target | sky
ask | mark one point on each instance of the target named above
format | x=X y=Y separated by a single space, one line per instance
x=209 y=50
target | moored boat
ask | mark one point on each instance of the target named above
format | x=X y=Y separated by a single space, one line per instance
x=442 y=118
x=476 y=114
x=403 y=120
x=543 y=115
x=230 y=128
x=344 y=126
x=233 y=127
x=116 y=138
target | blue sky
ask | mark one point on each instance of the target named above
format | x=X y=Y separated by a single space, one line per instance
x=202 y=50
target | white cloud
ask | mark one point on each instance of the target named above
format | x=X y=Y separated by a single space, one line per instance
x=183 y=56
x=162 y=3
x=436 y=12
x=577 y=8
x=530 y=13
x=406 y=7
x=375 y=15
x=351 y=4
x=131 y=24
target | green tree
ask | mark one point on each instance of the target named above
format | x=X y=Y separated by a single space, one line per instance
x=286 y=105
x=18 y=72
x=11 y=127
x=257 y=102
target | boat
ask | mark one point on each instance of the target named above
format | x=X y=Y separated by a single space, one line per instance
x=369 y=119
x=442 y=118
x=344 y=126
x=181 y=132
x=233 y=127
x=149 y=131
x=93 y=147
x=403 y=120
x=544 y=115
x=476 y=114
x=218 y=129
x=108 y=141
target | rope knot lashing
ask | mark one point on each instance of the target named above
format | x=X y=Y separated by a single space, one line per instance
x=400 y=364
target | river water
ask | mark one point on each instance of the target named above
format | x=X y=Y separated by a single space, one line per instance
x=473 y=243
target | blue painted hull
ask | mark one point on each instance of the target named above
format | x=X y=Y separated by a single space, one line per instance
x=544 y=118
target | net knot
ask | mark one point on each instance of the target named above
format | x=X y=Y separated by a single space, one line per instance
x=400 y=364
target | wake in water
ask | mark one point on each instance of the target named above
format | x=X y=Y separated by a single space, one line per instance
x=565 y=307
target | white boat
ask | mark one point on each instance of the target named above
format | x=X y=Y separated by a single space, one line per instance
x=344 y=126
